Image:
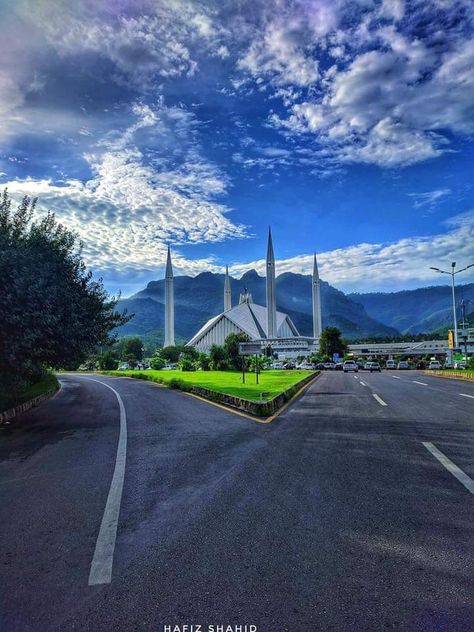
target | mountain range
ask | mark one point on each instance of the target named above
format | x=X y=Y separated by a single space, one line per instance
x=416 y=311
x=357 y=315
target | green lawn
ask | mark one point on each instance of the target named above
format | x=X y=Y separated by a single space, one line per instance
x=270 y=382
x=9 y=400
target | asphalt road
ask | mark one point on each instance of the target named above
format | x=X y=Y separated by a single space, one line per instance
x=336 y=516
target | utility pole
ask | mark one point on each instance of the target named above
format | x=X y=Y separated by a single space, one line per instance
x=453 y=272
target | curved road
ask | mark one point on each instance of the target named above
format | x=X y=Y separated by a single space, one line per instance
x=336 y=516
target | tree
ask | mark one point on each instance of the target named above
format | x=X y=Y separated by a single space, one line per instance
x=203 y=362
x=231 y=347
x=108 y=361
x=133 y=349
x=157 y=362
x=186 y=364
x=331 y=342
x=52 y=313
x=218 y=358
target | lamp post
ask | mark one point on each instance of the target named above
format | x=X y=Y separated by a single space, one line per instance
x=452 y=273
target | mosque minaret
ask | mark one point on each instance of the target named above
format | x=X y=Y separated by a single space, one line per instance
x=316 y=295
x=169 y=303
x=227 y=291
x=271 y=294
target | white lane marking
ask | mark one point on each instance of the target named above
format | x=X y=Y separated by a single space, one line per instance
x=422 y=383
x=101 y=566
x=379 y=399
x=356 y=377
x=463 y=478
x=466 y=395
x=363 y=383
x=396 y=377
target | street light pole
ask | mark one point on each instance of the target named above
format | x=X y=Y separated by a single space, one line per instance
x=453 y=265
x=452 y=272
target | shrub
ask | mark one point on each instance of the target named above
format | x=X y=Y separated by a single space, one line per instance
x=157 y=363
x=186 y=364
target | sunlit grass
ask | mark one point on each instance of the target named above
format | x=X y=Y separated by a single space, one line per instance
x=271 y=383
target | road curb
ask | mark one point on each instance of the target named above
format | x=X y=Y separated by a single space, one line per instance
x=450 y=376
x=11 y=413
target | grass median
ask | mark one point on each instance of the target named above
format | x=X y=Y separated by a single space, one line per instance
x=271 y=383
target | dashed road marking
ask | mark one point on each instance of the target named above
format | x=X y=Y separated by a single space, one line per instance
x=466 y=395
x=379 y=399
x=363 y=383
x=463 y=478
x=396 y=377
x=101 y=566
x=422 y=383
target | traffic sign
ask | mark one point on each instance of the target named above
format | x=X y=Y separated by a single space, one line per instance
x=250 y=348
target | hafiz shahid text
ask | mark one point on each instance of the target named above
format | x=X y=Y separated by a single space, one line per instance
x=212 y=627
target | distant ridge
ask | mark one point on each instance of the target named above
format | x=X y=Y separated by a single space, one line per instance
x=416 y=311
x=199 y=298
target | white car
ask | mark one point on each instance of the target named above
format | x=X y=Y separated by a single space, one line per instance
x=461 y=364
x=350 y=365
x=434 y=364
x=390 y=364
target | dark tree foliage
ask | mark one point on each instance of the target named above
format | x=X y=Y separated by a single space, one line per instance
x=108 y=361
x=133 y=349
x=331 y=342
x=52 y=314
x=231 y=347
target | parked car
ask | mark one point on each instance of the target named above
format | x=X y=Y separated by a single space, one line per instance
x=306 y=366
x=339 y=366
x=123 y=367
x=350 y=365
x=360 y=365
x=390 y=364
x=329 y=366
x=320 y=366
x=372 y=366
x=289 y=365
x=461 y=364
x=277 y=365
x=403 y=365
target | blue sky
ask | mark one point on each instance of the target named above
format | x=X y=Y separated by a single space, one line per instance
x=347 y=126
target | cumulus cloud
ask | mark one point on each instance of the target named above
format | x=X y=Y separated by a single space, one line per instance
x=129 y=210
x=376 y=267
x=392 y=105
x=278 y=55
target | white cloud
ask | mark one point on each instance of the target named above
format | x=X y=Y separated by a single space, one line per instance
x=391 y=107
x=129 y=210
x=377 y=267
x=278 y=55
x=429 y=199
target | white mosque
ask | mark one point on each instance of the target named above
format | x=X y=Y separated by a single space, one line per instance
x=261 y=324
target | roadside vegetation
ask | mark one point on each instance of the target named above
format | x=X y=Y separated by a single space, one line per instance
x=46 y=383
x=53 y=314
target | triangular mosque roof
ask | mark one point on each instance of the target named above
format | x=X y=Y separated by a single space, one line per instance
x=250 y=318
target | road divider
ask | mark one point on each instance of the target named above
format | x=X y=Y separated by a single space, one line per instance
x=456 y=471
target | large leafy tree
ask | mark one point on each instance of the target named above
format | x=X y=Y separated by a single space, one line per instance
x=331 y=342
x=52 y=313
x=231 y=346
